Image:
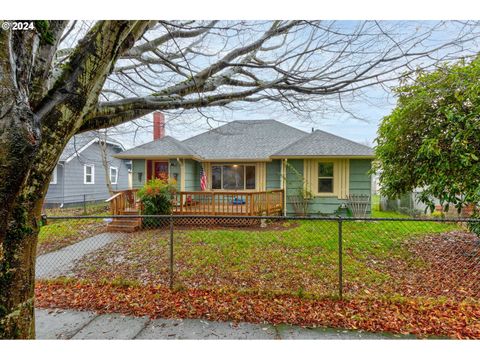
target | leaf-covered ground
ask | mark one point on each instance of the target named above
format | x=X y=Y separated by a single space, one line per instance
x=380 y=258
x=422 y=318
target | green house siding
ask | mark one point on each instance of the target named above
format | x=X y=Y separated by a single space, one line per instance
x=359 y=183
x=139 y=177
x=318 y=205
x=274 y=174
x=138 y=173
x=174 y=171
x=196 y=175
x=190 y=175
x=294 y=183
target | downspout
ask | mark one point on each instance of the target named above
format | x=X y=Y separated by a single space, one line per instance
x=182 y=174
x=285 y=188
x=63 y=183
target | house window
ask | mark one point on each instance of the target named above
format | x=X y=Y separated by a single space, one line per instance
x=325 y=177
x=89 y=174
x=113 y=175
x=233 y=177
x=53 y=179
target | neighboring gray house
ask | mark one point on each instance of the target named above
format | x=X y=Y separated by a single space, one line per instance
x=80 y=174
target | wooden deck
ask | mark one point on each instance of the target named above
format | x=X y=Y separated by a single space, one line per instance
x=223 y=203
x=229 y=203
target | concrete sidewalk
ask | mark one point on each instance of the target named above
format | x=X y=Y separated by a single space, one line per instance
x=70 y=324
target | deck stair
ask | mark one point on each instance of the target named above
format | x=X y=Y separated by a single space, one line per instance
x=125 y=224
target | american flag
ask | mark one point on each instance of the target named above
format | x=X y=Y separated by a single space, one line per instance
x=203 y=179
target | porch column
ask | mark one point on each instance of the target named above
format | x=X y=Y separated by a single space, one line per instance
x=182 y=173
x=149 y=170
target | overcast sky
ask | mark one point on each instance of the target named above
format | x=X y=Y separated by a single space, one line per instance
x=370 y=111
x=356 y=119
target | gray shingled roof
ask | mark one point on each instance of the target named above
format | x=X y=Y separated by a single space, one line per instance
x=250 y=140
x=244 y=139
x=321 y=143
x=167 y=146
x=77 y=142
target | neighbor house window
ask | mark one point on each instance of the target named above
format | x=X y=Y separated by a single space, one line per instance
x=53 y=179
x=113 y=175
x=233 y=177
x=325 y=177
x=89 y=174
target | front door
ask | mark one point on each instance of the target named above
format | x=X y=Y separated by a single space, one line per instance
x=161 y=170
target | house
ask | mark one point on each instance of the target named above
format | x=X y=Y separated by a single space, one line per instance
x=80 y=174
x=254 y=167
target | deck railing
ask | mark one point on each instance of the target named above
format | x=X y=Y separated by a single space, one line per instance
x=229 y=203
x=208 y=202
x=124 y=201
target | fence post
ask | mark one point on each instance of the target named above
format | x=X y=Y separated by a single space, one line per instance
x=84 y=204
x=340 y=258
x=171 y=254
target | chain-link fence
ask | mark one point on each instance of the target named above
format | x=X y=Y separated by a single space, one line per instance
x=345 y=257
x=76 y=204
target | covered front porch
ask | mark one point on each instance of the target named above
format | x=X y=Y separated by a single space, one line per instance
x=224 y=203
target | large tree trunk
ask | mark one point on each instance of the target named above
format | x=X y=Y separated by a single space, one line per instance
x=19 y=140
x=18 y=275
x=34 y=129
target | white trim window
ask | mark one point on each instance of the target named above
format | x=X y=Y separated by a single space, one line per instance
x=53 y=178
x=326 y=177
x=113 y=175
x=88 y=174
x=233 y=177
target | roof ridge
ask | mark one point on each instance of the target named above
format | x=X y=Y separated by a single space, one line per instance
x=242 y=121
x=293 y=143
x=182 y=144
x=152 y=141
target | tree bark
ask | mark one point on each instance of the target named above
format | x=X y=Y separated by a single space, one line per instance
x=106 y=168
x=33 y=134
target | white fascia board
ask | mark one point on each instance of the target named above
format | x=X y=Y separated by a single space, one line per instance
x=86 y=146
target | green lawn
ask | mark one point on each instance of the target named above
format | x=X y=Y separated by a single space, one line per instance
x=375 y=202
x=90 y=209
x=298 y=257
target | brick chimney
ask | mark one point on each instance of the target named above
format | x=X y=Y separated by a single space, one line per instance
x=158 y=125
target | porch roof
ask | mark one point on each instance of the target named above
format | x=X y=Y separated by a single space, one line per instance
x=165 y=147
x=323 y=144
